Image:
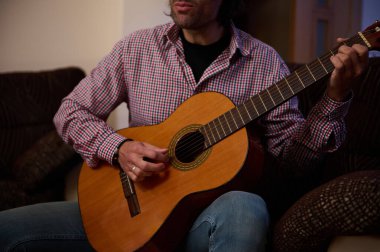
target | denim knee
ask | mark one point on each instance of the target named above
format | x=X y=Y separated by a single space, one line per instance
x=243 y=208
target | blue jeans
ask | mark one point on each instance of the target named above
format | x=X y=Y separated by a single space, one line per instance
x=236 y=221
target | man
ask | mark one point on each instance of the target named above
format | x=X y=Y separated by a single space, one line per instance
x=154 y=71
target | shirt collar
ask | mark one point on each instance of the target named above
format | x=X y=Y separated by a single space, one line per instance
x=171 y=36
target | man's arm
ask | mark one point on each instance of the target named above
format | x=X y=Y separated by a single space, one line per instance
x=81 y=118
x=300 y=140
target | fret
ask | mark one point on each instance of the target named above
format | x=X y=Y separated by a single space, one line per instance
x=228 y=124
x=299 y=79
x=244 y=112
x=270 y=96
x=233 y=119
x=318 y=71
x=327 y=63
x=237 y=109
x=279 y=91
x=322 y=65
x=290 y=87
x=220 y=122
x=249 y=115
x=306 y=76
x=259 y=105
x=254 y=106
x=262 y=102
x=216 y=129
x=285 y=89
x=204 y=132
x=312 y=75
x=332 y=53
x=212 y=134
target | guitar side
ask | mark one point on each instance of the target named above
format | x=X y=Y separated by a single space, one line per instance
x=105 y=211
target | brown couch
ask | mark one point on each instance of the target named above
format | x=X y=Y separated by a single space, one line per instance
x=339 y=198
x=33 y=158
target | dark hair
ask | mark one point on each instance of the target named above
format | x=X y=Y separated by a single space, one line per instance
x=228 y=10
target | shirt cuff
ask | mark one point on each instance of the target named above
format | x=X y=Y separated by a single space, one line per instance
x=334 y=110
x=109 y=147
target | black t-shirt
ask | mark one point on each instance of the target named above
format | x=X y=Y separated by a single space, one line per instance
x=199 y=57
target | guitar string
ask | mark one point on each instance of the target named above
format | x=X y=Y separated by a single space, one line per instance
x=275 y=96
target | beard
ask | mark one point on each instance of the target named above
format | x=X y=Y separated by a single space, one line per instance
x=183 y=21
x=194 y=19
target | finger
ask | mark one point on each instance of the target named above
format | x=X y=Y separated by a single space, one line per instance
x=149 y=167
x=136 y=174
x=132 y=175
x=362 y=55
x=139 y=172
x=155 y=148
x=341 y=40
x=348 y=57
x=338 y=65
x=154 y=154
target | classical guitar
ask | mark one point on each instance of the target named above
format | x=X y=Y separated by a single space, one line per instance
x=208 y=149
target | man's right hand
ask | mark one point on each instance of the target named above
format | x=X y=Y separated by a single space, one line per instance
x=140 y=160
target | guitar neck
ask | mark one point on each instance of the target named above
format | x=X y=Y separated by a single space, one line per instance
x=266 y=100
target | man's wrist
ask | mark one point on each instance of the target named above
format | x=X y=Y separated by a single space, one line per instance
x=115 y=157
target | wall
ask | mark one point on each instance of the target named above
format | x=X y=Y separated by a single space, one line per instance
x=371 y=12
x=47 y=34
x=370 y=15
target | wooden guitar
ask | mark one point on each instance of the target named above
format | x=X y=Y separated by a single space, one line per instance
x=208 y=149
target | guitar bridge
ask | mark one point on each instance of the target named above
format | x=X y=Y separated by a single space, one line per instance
x=130 y=194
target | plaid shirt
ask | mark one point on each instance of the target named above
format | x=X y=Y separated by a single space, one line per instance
x=148 y=71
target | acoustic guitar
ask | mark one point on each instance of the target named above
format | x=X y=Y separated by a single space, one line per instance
x=208 y=148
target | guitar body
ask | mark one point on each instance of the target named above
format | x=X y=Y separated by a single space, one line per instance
x=170 y=201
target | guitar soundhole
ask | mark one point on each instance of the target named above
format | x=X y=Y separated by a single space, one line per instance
x=189 y=147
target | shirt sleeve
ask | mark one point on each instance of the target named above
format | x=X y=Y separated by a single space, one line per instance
x=294 y=138
x=81 y=118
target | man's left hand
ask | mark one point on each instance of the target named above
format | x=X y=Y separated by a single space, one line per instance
x=349 y=63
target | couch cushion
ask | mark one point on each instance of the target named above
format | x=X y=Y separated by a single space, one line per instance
x=33 y=159
x=347 y=205
x=28 y=102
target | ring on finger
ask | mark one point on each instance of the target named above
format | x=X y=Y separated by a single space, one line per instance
x=133 y=168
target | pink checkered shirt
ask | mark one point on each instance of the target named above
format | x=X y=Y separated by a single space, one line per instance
x=148 y=71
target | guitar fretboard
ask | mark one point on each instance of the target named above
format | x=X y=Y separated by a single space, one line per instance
x=266 y=100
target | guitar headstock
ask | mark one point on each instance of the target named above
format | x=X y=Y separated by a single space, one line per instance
x=372 y=35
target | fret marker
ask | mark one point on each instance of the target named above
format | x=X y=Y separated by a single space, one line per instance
x=365 y=40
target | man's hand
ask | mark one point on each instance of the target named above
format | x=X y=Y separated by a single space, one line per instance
x=349 y=63
x=140 y=160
